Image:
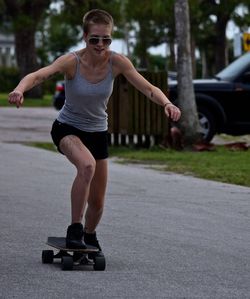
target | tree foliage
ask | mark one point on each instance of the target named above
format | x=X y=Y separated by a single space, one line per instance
x=222 y=11
x=143 y=25
x=150 y=22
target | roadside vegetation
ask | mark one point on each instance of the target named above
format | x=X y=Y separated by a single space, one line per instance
x=46 y=101
x=222 y=164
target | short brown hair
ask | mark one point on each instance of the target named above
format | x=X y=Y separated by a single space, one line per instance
x=97 y=16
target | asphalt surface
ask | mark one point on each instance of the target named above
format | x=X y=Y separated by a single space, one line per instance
x=164 y=235
x=26 y=124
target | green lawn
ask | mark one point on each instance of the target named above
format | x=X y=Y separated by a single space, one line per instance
x=221 y=165
x=46 y=101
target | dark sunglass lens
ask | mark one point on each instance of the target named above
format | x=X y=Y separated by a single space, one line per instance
x=107 y=41
x=94 y=41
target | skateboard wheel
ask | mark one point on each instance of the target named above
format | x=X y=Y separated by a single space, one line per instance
x=47 y=256
x=67 y=263
x=99 y=263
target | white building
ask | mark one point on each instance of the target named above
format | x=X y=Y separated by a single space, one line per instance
x=7 y=50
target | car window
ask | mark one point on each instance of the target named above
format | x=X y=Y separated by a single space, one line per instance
x=234 y=69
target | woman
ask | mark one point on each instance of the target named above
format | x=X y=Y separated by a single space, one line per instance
x=80 y=131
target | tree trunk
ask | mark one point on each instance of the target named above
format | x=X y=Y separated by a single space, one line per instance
x=204 y=72
x=126 y=28
x=25 y=16
x=142 y=45
x=221 y=42
x=171 y=62
x=193 y=58
x=189 y=123
x=25 y=44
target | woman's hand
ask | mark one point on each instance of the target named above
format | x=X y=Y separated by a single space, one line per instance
x=16 y=98
x=172 y=111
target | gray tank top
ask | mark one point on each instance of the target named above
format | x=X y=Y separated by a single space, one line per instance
x=85 y=102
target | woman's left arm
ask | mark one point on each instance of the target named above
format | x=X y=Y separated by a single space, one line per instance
x=127 y=69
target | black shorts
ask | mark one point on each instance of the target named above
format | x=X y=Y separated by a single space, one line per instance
x=96 y=142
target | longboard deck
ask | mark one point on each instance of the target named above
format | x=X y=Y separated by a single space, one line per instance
x=60 y=244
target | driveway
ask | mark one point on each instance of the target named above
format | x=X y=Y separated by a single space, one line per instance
x=164 y=235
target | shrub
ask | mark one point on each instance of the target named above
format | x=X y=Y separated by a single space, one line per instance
x=9 y=78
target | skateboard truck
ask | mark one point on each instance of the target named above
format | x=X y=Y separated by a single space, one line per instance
x=71 y=257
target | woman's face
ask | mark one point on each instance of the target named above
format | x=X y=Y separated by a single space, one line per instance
x=98 y=39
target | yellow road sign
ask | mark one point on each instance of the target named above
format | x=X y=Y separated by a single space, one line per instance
x=246 y=41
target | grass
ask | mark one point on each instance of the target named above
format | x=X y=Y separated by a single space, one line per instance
x=221 y=165
x=46 y=101
x=43 y=145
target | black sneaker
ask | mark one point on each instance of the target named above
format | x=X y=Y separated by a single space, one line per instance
x=74 y=238
x=91 y=239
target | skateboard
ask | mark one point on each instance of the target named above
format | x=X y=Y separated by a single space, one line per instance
x=73 y=257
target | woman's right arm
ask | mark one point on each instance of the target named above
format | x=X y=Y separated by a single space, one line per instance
x=33 y=79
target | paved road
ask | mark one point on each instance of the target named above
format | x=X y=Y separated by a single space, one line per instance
x=26 y=124
x=164 y=235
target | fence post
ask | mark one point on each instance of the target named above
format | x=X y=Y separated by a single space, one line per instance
x=132 y=114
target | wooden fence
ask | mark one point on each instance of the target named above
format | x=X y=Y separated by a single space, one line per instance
x=134 y=119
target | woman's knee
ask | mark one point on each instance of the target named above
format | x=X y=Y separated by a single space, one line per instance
x=86 y=169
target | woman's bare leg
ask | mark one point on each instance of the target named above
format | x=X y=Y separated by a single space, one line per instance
x=80 y=156
x=96 y=196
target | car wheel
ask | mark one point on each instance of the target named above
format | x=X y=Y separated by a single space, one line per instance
x=207 y=123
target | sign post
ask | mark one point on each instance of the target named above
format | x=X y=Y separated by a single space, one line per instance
x=237 y=45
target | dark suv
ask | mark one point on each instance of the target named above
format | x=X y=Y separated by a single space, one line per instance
x=223 y=103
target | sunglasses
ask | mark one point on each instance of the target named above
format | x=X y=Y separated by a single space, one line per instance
x=95 y=40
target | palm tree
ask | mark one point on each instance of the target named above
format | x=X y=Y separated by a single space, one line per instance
x=189 y=122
